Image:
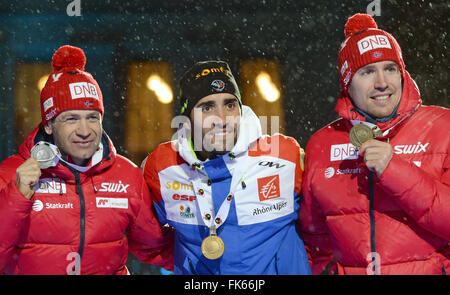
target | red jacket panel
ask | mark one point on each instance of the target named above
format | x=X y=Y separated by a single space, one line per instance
x=346 y=213
x=93 y=218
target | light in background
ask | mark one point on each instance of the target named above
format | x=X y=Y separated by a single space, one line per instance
x=266 y=87
x=149 y=108
x=260 y=84
x=161 y=88
x=29 y=80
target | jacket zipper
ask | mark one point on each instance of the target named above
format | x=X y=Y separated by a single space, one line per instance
x=79 y=192
x=372 y=223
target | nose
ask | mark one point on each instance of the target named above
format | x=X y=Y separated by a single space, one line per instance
x=380 y=81
x=221 y=117
x=83 y=130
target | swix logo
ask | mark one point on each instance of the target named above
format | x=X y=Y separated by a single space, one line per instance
x=269 y=187
x=50 y=115
x=373 y=42
x=120 y=203
x=411 y=148
x=341 y=152
x=83 y=89
x=113 y=187
x=271 y=164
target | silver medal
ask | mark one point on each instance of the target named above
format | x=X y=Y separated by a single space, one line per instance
x=43 y=154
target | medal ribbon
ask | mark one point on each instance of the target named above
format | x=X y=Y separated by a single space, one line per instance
x=205 y=203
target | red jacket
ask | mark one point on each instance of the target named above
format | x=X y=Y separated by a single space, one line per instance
x=97 y=216
x=347 y=212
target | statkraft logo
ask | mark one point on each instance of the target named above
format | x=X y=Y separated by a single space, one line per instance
x=38 y=205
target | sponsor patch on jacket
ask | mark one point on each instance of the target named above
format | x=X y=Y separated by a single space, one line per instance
x=121 y=203
x=38 y=205
x=330 y=171
x=268 y=195
x=113 y=187
x=411 y=148
x=269 y=187
x=51 y=186
x=346 y=151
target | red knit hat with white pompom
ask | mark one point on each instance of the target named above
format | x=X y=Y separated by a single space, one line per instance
x=365 y=44
x=69 y=87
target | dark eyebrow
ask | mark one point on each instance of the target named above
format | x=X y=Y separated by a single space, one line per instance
x=206 y=103
x=393 y=64
x=367 y=67
x=74 y=115
x=67 y=115
x=230 y=100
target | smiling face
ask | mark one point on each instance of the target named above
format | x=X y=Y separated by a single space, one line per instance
x=216 y=117
x=77 y=133
x=377 y=88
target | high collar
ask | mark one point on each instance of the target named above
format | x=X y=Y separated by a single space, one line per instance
x=409 y=102
x=249 y=131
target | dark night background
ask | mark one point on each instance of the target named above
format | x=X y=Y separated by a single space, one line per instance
x=303 y=36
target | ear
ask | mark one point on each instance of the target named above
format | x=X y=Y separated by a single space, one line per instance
x=48 y=128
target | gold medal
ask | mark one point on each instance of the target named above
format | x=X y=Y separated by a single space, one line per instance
x=213 y=246
x=361 y=133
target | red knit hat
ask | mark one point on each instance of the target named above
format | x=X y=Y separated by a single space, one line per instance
x=365 y=44
x=69 y=87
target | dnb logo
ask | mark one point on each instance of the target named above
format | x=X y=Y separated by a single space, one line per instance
x=218 y=85
x=339 y=152
x=269 y=187
x=373 y=42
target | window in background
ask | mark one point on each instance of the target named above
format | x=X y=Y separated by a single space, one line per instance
x=29 y=81
x=149 y=108
x=260 y=84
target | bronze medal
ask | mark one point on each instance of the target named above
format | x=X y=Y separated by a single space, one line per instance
x=361 y=133
x=213 y=247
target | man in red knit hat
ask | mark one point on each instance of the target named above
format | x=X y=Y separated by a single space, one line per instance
x=376 y=190
x=68 y=203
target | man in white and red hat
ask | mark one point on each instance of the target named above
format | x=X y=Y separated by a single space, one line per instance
x=376 y=189
x=81 y=207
